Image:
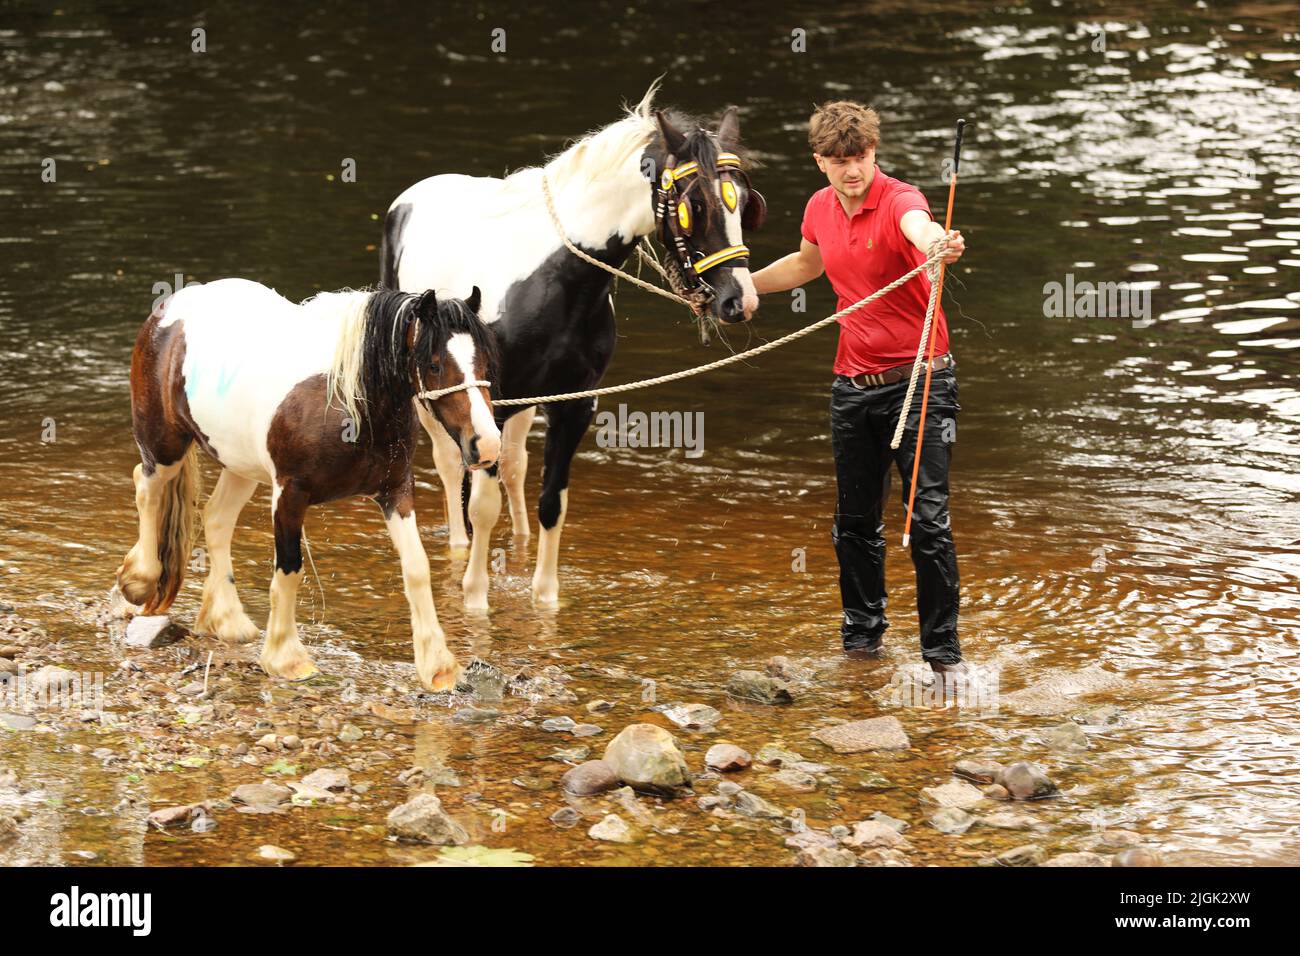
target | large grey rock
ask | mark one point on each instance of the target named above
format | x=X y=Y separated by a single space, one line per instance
x=1026 y=781
x=261 y=794
x=423 y=820
x=646 y=757
x=859 y=736
x=153 y=631
x=594 y=776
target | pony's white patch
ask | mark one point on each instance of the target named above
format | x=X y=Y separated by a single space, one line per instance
x=246 y=347
x=465 y=230
x=461 y=347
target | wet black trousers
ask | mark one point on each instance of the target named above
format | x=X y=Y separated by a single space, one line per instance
x=862 y=425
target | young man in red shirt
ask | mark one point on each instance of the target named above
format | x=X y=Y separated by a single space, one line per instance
x=864 y=230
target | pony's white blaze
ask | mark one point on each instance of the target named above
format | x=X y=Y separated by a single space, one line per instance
x=736 y=237
x=461 y=348
x=246 y=347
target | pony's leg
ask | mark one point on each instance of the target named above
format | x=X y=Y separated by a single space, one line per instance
x=434 y=662
x=283 y=654
x=451 y=472
x=484 y=509
x=514 y=468
x=221 y=612
x=141 y=568
x=565 y=424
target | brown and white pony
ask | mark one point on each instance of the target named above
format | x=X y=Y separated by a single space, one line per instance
x=318 y=400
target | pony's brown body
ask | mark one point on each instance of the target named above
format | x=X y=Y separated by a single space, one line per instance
x=311 y=449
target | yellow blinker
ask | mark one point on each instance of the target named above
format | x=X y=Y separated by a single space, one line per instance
x=684 y=215
x=729 y=194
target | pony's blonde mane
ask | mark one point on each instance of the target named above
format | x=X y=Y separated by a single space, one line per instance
x=598 y=155
x=343 y=380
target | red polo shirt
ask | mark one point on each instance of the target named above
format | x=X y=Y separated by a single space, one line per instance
x=863 y=254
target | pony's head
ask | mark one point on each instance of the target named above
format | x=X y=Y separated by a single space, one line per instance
x=706 y=203
x=452 y=352
x=395 y=347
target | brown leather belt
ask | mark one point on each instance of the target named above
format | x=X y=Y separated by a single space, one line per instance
x=900 y=372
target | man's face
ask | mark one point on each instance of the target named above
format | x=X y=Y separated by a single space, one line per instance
x=848 y=175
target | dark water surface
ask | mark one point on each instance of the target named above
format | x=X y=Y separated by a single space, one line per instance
x=1124 y=497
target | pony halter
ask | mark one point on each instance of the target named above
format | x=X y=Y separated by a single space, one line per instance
x=676 y=221
x=431 y=394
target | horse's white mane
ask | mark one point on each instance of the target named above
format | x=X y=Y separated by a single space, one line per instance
x=599 y=154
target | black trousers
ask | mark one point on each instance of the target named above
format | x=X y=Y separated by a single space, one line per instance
x=862 y=425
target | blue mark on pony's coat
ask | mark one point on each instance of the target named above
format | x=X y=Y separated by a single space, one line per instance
x=194 y=375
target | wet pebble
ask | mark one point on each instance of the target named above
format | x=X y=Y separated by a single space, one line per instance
x=571 y=755
x=825 y=856
x=728 y=758
x=977 y=770
x=612 y=829
x=566 y=817
x=873 y=833
x=693 y=716
x=955 y=793
x=1026 y=781
x=759 y=687
x=860 y=736
x=594 y=776
x=1028 y=855
x=328 y=778
x=261 y=794
x=555 y=725
x=1065 y=737
x=794 y=780
x=270 y=853
x=951 y=820
x=646 y=757
x=423 y=820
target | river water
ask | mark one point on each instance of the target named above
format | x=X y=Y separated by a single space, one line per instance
x=1126 y=495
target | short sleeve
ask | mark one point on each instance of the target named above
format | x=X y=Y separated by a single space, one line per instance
x=903 y=202
x=808 y=229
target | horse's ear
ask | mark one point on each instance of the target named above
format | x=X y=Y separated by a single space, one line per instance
x=426 y=307
x=674 y=140
x=474 y=300
x=729 y=128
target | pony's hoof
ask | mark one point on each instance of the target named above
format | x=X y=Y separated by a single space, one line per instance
x=231 y=628
x=136 y=588
x=547 y=600
x=298 y=668
x=443 y=675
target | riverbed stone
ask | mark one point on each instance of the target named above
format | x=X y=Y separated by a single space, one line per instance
x=17 y=721
x=978 y=770
x=794 y=780
x=825 y=856
x=1068 y=736
x=261 y=794
x=951 y=820
x=727 y=758
x=566 y=817
x=1078 y=859
x=423 y=820
x=1138 y=856
x=860 y=736
x=328 y=778
x=613 y=829
x=270 y=853
x=752 y=805
x=759 y=687
x=559 y=724
x=693 y=716
x=1026 y=781
x=170 y=816
x=873 y=833
x=1027 y=855
x=646 y=757
x=153 y=631
x=773 y=756
x=594 y=776
x=954 y=793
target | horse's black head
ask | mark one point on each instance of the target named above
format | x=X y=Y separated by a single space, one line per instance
x=449 y=346
x=708 y=205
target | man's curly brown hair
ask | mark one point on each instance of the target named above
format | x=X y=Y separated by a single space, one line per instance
x=843 y=128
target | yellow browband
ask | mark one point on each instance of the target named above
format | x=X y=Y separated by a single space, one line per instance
x=693 y=167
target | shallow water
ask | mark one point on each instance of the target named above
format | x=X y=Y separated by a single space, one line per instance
x=1125 y=497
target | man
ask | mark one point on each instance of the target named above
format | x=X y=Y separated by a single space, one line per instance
x=864 y=230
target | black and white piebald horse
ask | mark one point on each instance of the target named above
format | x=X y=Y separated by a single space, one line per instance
x=650 y=172
x=318 y=401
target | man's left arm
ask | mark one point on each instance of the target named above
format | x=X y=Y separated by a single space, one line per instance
x=923 y=232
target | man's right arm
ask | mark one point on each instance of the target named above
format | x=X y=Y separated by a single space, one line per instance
x=790 y=271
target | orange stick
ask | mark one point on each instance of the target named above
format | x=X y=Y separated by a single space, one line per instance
x=934 y=330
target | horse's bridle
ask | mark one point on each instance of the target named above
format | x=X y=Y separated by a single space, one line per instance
x=675 y=222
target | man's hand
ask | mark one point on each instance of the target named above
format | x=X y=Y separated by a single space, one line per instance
x=956 y=246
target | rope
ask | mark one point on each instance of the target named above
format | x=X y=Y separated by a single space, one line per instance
x=934 y=258
x=439 y=392
x=920 y=352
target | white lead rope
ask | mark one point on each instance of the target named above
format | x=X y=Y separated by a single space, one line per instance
x=467 y=384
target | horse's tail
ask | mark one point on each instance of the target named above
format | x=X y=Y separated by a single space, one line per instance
x=177 y=516
x=390 y=246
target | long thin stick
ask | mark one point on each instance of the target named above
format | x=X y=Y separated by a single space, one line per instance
x=934 y=329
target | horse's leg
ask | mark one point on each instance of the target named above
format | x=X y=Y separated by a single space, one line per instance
x=140 y=570
x=221 y=612
x=451 y=472
x=514 y=468
x=565 y=424
x=434 y=662
x=283 y=654
x=484 y=509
